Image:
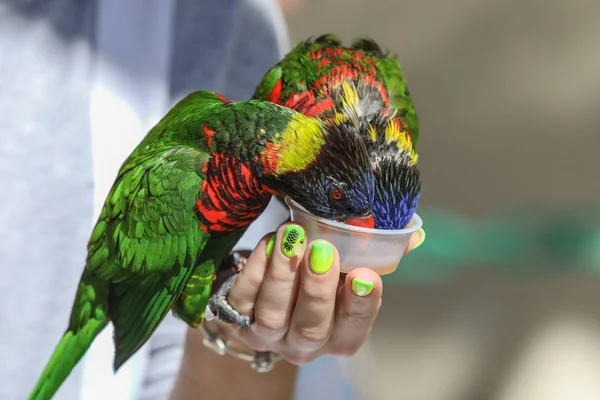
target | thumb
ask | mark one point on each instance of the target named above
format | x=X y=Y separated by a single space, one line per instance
x=415 y=241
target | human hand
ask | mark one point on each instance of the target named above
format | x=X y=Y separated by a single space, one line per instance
x=303 y=306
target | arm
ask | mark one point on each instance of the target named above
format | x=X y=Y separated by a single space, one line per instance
x=224 y=377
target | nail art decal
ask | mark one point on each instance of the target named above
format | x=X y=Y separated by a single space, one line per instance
x=292 y=241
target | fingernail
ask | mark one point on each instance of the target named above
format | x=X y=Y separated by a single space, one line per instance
x=321 y=257
x=293 y=239
x=270 y=245
x=421 y=234
x=362 y=288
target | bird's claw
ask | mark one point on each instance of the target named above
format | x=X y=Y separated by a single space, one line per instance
x=219 y=307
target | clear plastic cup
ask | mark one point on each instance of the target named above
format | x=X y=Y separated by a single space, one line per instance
x=377 y=249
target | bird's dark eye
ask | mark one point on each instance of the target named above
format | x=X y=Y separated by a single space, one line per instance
x=337 y=194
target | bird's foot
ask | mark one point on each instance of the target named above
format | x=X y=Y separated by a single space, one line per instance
x=218 y=306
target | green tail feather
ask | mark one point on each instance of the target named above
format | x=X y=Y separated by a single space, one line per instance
x=88 y=318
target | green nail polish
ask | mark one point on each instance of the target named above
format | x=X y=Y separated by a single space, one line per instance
x=321 y=257
x=270 y=245
x=293 y=240
x=362 y=288
x=421 y=239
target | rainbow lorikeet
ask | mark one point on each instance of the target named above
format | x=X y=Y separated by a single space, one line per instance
x=181 y=201
x=359 y=88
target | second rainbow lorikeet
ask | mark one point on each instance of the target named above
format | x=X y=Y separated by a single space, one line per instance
x=358 y=88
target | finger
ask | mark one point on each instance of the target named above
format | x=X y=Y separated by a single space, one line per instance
x=313 y=314
x=242 y=295
x=416 y=239
x=360 y=299
x=277 y=294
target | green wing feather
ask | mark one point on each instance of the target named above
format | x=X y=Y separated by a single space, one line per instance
x=136 y=312
x=152 y=233
x=141 y=252
x=268 y=82
x=148 y=218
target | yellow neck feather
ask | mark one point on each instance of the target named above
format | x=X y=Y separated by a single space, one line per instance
x=394 y=133
x=297 y=146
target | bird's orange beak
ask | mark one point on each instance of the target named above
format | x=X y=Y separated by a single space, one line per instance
x=365 y=222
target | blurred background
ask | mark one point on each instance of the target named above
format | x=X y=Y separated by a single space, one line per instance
x=501 y=302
